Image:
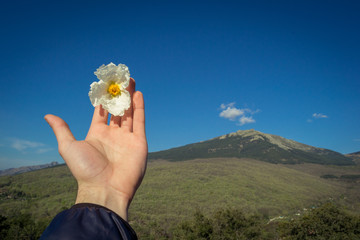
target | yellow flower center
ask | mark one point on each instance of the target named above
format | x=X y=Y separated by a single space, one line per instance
x=114 y=89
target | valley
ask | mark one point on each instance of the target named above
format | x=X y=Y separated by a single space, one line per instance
x=279 y=182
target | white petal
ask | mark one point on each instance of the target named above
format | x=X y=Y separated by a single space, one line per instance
x=104 y=72
x=119 y=74
x=97 y=91
x=116 y=105
x=99 y=95
x=123 y=71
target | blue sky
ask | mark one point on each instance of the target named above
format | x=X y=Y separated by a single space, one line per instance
x=206 y=68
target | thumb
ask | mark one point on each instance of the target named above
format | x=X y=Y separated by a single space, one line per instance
x=61 y=130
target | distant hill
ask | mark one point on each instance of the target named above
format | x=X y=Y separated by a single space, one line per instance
x=355 y=157
x=14 y=171
x=256 y=145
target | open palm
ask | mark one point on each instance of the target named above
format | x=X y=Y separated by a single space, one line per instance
x=110 y=163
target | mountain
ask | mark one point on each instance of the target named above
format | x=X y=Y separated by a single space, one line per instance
x=14 y=171
x=354 y=156
x=256 y=145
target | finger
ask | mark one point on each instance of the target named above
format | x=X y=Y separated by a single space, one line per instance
x=139 y=114
x=100 y=115
x=115 y=121
x=127 y=119
x=61 y=130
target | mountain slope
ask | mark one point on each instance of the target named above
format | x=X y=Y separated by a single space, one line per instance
x=15 y=171
x=355 y=157
x=174 y=191
x=256 y=145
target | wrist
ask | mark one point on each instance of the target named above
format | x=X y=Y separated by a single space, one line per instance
x=107 y=197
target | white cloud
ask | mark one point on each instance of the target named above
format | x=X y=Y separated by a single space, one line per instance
x=22 y=145
x=228 y=105
x=230 y=112
x=25 y=145
x=319 y=115
x=244 y=120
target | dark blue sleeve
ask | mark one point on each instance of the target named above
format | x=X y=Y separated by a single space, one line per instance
x=88 y=221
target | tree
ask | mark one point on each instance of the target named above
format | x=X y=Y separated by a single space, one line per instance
x=326 y=222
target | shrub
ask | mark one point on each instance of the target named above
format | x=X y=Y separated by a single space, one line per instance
x=329 y=176
x=325 y=222
x=21 y=227
x=224 y=224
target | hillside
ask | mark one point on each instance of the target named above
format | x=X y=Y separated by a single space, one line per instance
x=173 y=191
x=256 y=145
x=14 y=171
x=355 y=157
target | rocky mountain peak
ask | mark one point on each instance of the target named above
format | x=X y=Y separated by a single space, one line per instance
x=279 y=141
x=256 y=145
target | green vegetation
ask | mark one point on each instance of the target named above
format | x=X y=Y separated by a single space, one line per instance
x=41 y=193
x=329 y=176
x=224 y=224
x=350 y=177
x=347 y=177
x=175 y=194
x=326 y=222
x=22 y=227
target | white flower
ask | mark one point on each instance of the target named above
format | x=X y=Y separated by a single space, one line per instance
x=110 y=91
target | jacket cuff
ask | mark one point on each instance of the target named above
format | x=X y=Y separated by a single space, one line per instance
x=88 y=221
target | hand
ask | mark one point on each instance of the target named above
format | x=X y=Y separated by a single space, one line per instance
x=110 y=163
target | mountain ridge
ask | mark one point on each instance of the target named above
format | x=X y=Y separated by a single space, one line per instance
x=257 y=145
x=24 y=169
